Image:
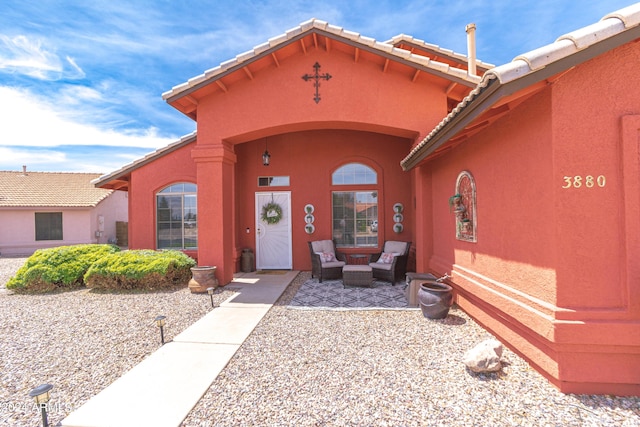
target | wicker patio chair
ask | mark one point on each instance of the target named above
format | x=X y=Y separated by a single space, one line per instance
x=326 y=263
x=391 y=263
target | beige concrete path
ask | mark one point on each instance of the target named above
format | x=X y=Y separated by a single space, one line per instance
x=163 y=388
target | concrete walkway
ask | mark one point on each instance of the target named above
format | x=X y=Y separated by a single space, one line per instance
x=163 y=388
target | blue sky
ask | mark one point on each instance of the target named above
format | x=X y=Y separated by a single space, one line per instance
x=81 y=81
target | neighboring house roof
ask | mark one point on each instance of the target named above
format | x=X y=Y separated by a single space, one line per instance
x=506 y=85
x=49 y=189
x=306 y=35
x=119 y=179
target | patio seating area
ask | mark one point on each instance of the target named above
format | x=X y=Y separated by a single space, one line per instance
x=390 y=264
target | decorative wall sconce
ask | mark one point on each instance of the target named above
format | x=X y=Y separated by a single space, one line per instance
x=160 y=322
x=41 y=395
x=266 y=157
x=398 y=218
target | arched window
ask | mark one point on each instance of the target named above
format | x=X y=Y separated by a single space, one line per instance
x=355 y=206
x=177 y=217
x=354 y=173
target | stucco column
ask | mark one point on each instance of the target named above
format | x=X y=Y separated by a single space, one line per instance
x=215 y=169
x=424 y=213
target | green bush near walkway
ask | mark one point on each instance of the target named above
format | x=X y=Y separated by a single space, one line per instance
x=58 y=268
x=101 y=267
x=140 y=269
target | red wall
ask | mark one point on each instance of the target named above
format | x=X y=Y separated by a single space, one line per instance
x=146 y=181
x=309 y=158
x=362 y=98
x=553 y=272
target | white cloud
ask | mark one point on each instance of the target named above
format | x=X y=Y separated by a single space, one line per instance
x=26 y=120
x=73 y=95
x=25 y=56
x=20 y=156
x=79 y=72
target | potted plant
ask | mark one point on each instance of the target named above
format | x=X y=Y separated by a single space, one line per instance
x=455 y=202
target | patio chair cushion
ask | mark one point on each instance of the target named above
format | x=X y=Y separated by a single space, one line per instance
x=380 y=266
x=395 y=247
x=323 y=246
x=333 y=264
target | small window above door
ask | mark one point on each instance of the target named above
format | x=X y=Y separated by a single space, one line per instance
x=273 y=181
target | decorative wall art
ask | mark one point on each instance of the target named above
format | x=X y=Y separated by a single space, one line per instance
x=463 y=205
x=309 y=228
x=398 y=218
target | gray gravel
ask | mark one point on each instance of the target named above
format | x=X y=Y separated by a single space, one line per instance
x=302 y=368
x=80 y=341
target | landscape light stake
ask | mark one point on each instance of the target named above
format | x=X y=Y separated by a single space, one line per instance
x=210 y=292
x=41 y=395
x=160 y=321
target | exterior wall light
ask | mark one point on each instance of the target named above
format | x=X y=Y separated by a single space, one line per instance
x=160 y=321
x=210 y=292
x=41 y=395
x=266 y=157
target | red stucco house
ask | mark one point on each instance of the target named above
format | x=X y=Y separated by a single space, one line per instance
x=543 y=151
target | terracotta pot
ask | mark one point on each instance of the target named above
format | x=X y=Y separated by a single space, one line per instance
x=202 y=279
x=435 y=299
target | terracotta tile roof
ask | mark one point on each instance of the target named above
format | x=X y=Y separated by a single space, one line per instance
x=49 y=189
x=384 y=48
x=527 y=69
x=440 y=51
x=125 y=170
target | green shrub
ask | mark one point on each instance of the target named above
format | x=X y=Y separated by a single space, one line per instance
x=57 y=268
x=140 y=269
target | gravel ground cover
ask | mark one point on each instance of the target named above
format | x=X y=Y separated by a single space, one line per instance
x=298 y=367
x=80 y=341
x=385 y=368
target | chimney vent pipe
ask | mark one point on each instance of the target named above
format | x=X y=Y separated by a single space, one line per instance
x=471 y=48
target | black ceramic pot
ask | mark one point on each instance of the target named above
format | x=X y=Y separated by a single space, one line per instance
x=435 y=299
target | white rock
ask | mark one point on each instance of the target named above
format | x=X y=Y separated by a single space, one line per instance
x=485 y=357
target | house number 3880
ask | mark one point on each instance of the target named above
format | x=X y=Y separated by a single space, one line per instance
x=588 y=181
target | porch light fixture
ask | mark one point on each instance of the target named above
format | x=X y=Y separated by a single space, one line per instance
x=41 y=395
x=160 y=322
x=210 y=292
x=266 y=157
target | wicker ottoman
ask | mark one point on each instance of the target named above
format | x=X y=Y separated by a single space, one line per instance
x=357 y=275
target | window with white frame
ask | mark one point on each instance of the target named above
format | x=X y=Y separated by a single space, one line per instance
x=177 y=217
x=355 y=208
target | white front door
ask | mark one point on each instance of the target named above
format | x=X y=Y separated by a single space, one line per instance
x=273 y=230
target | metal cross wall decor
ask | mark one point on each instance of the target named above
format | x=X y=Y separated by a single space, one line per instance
x=316 y=76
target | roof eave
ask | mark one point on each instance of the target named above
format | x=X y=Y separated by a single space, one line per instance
x=123 y=173
x=186 y=88
x=483 y=102
x=437 y=50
